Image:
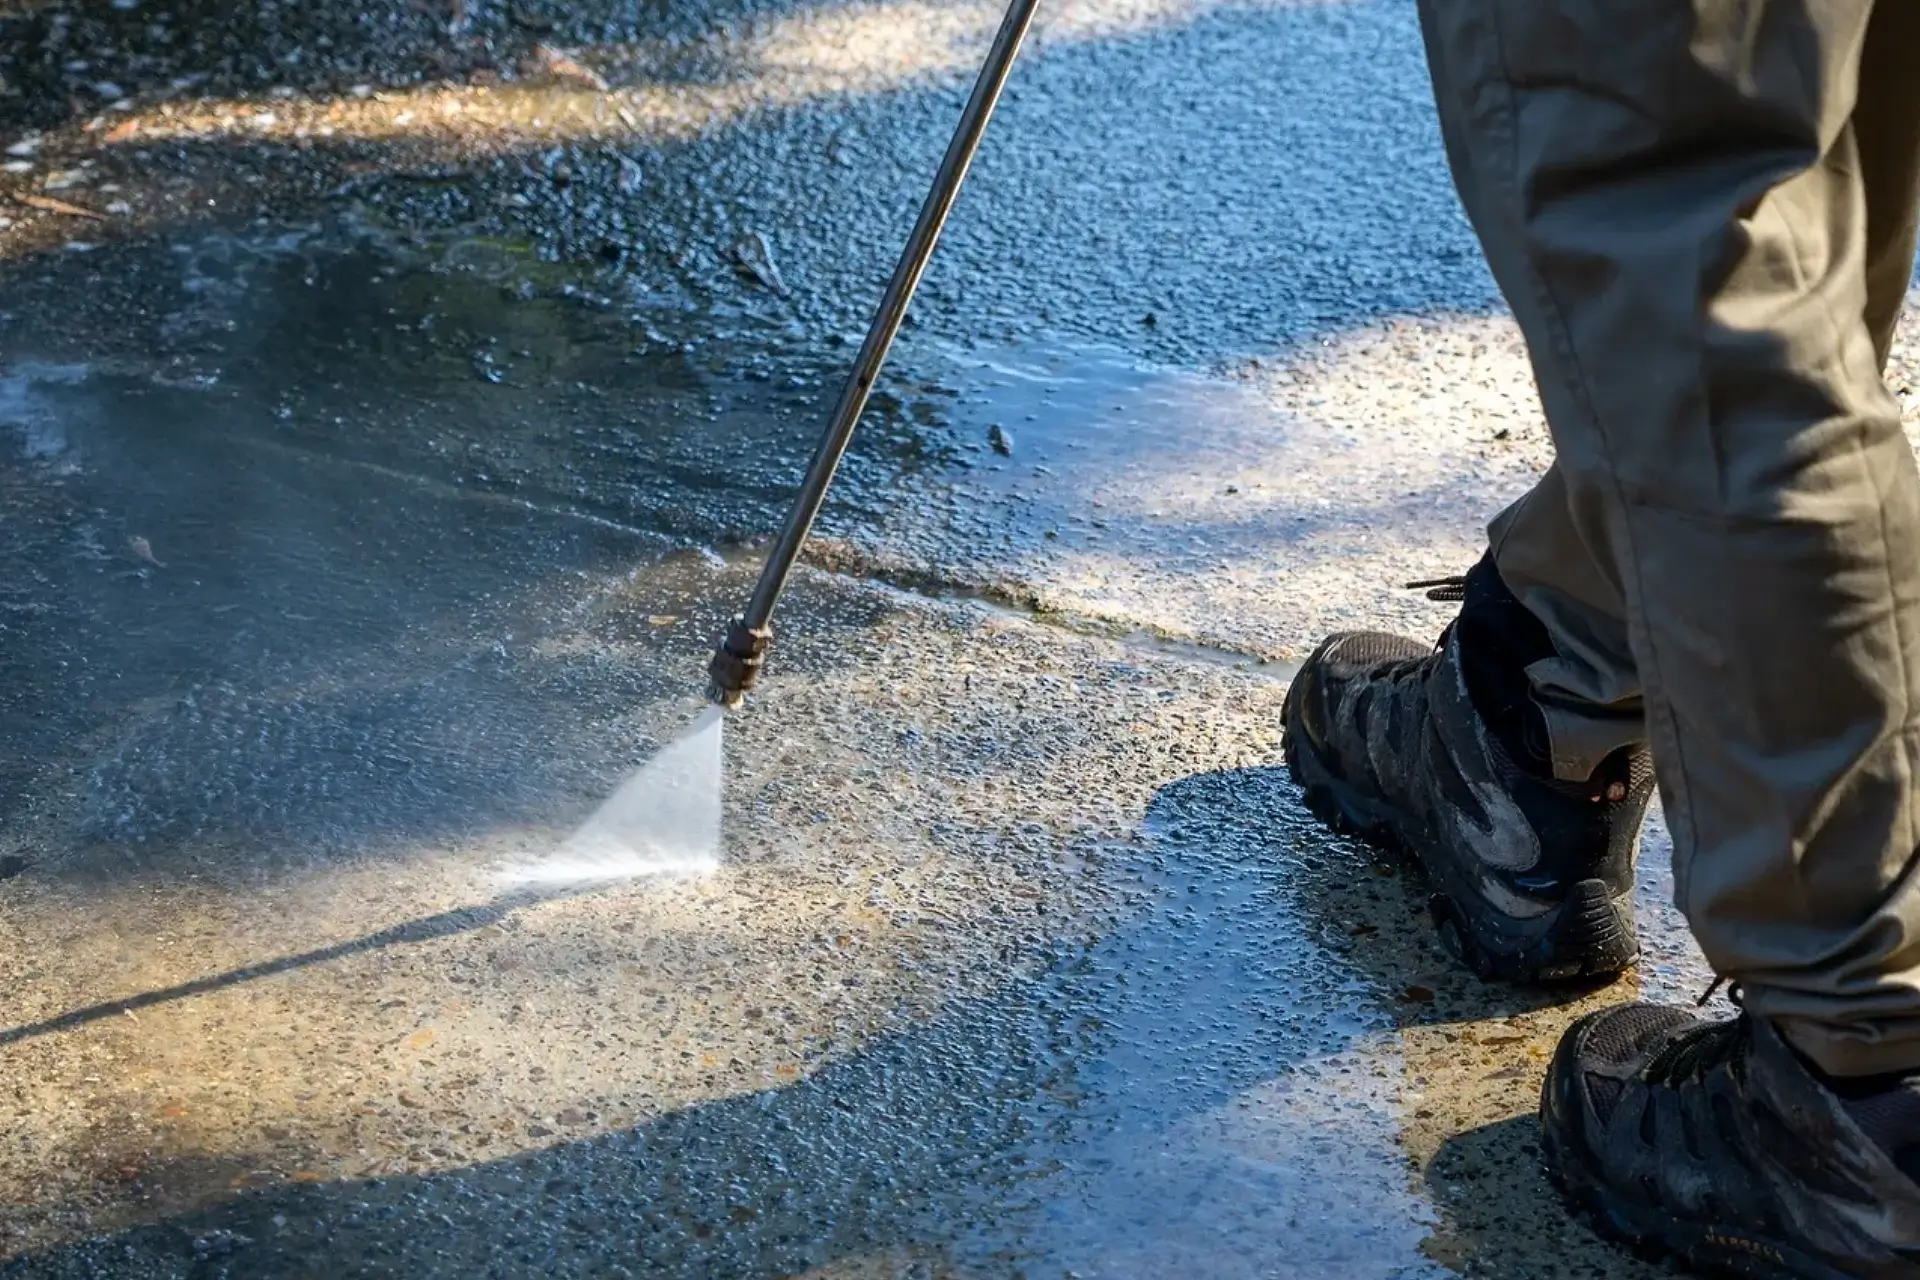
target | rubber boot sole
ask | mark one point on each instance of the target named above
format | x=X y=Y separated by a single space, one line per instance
x=1587 y=937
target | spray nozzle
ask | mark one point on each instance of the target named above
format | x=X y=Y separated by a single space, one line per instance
x=736 y=664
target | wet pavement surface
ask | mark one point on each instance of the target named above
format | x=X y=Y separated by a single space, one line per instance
x=364 y=529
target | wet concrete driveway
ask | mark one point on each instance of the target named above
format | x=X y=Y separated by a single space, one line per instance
x=357 y=547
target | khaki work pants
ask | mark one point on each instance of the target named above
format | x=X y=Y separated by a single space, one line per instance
x=1702 y=213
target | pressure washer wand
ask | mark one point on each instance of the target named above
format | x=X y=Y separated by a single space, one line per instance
x=737 y=663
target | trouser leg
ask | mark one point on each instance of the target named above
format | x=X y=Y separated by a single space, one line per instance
x=1689 y=208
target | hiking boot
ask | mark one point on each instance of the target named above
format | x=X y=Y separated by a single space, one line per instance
x=1532 y=878
x=1714 y=1141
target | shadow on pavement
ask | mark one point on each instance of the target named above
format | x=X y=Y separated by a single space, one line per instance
x=1173 y=1095
x=445 y=924
x=1469 y=1055
x=1226 y=1082
x=943 y=1144
x=1297 y=218
x=1508 y=1221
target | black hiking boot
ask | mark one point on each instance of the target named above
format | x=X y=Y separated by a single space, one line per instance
x=1713 y=1141
x=1532 y=878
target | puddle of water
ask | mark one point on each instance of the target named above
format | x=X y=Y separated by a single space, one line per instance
x=1233 y=1107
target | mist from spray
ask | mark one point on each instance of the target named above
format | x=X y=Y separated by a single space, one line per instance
x=664 y=820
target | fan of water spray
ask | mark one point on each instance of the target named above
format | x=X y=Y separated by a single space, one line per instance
x=664 y=820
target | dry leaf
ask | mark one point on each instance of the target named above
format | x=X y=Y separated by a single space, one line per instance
x=422 y=1038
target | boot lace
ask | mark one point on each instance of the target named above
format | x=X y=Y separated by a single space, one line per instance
x=1446 y=590
x=1693 y=1053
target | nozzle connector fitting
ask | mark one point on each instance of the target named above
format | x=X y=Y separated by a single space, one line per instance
x=736 y=664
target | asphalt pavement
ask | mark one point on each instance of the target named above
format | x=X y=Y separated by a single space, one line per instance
x=393 y=400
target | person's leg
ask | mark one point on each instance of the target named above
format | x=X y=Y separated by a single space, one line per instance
x=1701 y=214
x=1672 y=200
x=1588 y=689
